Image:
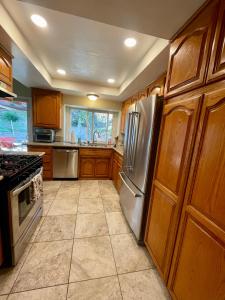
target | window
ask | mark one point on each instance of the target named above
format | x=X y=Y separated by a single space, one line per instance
x=90 y=125
x=13 y=124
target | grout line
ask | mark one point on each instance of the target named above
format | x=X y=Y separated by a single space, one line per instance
x=71 y=258
x=115 y=264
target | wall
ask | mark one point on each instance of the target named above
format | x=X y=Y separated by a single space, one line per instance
x=83 y=102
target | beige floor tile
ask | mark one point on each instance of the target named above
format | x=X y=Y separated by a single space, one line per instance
x=51 y=183
x=46 y=206
x=37 y=230
x=111 y=203
x=63 y=206
x=90 y=205
x=56 y=228
x=117 y=223
x=143 y=285
x=92 y=258
x=88 y=225
x=47 y=264
x=8 y=276
x=3 y=297
x=96 y=289
x=67 y=193
x=92 y=183
x=128 y=255
x=70 y=183
x=49 y=195
x=107 y=188
x=89 y=192
x=52 y=293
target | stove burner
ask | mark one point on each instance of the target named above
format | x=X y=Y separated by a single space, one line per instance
x=11 y=164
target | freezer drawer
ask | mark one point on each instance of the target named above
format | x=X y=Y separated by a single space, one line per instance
x=65 y=163
x=132 y=203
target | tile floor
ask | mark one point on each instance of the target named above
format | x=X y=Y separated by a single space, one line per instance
x=82 y=249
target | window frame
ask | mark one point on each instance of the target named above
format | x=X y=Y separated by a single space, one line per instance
x=67 y=119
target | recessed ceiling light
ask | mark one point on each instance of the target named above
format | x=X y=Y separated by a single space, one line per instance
x=111 y=80
x=92 y=97
x=130 y=42
x=39 y=21
x=61 y=72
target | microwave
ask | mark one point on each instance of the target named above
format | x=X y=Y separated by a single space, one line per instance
x=44 y=135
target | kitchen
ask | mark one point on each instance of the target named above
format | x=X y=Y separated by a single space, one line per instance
x=112 y=150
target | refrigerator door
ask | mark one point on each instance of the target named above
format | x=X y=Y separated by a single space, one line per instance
x=141 y=127
x=132 y=203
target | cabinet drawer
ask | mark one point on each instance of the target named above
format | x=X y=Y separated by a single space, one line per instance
x=96 y=152
x=47 y=150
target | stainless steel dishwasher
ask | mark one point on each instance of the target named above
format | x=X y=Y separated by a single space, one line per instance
x=65 y=163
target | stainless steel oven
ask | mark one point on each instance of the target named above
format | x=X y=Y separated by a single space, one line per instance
x=26 y=210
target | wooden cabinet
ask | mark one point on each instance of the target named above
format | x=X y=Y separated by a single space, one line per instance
x=198 y=269
x=124 y=110
x=46 y=108
x=189 y=52
x=47 y=160
x=1 y=249
x=174 y=151
x=87 y=167
x=157 y=87
x=116 y=168
x=95 y=163
x=217 y=60
x=5 y=70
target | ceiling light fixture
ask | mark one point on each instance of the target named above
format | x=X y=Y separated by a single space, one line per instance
x=39 y=21
x=92 y=97
x=111 y=80
x=61 y=72
x=130 y=42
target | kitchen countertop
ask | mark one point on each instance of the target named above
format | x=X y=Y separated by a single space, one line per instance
x=118 y=149
x=22 y=153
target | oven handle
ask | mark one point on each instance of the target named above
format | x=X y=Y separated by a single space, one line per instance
x=23 y=187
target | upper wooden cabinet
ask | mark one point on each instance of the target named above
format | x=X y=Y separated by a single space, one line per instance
x=217 y=60
x=174 y=153
x=124 y=110
x=46 y=108
x=189 y=52
x=157 y=87
x=5 y=70
x=198 y=269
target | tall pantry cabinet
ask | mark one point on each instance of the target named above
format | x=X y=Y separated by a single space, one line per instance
x=185 y=231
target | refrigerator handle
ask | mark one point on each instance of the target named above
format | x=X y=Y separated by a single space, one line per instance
x=128 y=139
x=136 y=118
x=132 y=192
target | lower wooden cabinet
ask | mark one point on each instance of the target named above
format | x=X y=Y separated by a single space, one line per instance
x=87 y=167
x=47 y=160
x=116 y=168
x=198 y=268
x=95 y=163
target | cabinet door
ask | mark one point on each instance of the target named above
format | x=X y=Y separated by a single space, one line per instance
x=174 y=152
x=5 y=69
x=102 y=167
x=198 y=269
x=217 y=60
x=189 y=52
x=87 y=167
x=46 y=109
x=125 y=107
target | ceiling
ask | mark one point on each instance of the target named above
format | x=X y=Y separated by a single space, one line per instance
x=90 y=51
x=153 y=17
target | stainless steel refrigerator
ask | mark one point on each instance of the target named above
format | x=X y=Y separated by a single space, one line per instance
x=140 y=144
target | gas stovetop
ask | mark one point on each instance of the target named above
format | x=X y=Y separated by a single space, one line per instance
x=12 y=164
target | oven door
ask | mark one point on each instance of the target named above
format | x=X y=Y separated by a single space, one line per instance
x=23 y=207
